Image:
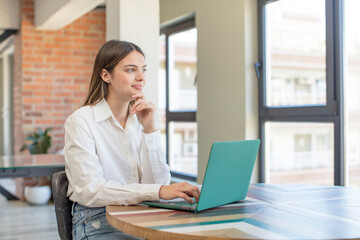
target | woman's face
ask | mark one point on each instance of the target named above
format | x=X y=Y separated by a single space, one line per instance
x=128 y=77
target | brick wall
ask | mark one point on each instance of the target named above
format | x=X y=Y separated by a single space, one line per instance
x=52 y=72
x=17 y=105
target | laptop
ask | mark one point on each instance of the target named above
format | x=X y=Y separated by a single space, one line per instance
x=227 y=177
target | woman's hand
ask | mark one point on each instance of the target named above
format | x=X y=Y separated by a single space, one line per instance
x=145 y=112
x=179 y=190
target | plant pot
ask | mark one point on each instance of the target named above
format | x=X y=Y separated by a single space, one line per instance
x=37 y=195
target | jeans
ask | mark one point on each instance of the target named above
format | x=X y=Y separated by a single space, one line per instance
x=90 y=224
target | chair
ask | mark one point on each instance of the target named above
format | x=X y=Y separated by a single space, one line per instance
x=63 y=205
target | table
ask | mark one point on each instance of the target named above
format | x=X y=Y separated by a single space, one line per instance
x=270 y=211
x=29 y=166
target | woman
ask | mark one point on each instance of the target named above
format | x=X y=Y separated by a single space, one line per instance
x=112 y=149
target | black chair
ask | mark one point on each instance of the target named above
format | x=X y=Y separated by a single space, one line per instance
x=63 y=205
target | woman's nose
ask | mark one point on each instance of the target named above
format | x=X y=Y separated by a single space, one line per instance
x=140 y=76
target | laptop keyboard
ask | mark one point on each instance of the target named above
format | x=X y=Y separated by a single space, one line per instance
x=184 y=204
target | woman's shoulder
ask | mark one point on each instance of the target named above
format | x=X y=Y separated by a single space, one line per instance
x=85 y=113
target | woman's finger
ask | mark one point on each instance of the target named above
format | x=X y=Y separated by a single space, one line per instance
x=193 y=193
x=198 y=191
x=139 y=107
x=138 y=95
x=184 y=196
x=197 y=194
x=144 y=105
x=190 y=190
x=137 y=103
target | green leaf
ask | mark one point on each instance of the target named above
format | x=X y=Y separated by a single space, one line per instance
x=47 y=130
x=23 y=148
x=40 y=132
x=35 y=135
x=32 y=138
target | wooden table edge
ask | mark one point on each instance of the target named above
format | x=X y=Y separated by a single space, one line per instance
x=148 y=233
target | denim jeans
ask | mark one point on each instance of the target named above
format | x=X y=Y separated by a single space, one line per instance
x=90 y=224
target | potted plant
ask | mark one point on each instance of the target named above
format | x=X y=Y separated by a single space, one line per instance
x=40 y=142
x=37 y=190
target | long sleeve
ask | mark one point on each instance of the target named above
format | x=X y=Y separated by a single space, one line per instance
x=154 y=168
x=87 y=184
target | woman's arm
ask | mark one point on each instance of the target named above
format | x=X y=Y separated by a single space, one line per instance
x=153 y=162
x=154 y=168
x=152 y=158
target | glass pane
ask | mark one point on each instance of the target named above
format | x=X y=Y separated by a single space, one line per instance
x=352 y=88
x=183 y=70
x=300 y=152
x=183 y=151
x=295 y=53
x=162 y=89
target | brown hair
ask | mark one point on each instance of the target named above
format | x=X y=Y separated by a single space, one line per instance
x=109 y=55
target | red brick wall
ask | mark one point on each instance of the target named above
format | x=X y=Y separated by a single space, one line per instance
x=52 y=72
x=17 y=106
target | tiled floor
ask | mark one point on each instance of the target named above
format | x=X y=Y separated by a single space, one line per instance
x=20 y=221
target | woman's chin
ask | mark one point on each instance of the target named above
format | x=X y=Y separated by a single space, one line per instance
x=138 y=90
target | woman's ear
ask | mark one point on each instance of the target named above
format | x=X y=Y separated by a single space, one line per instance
x=105 y=76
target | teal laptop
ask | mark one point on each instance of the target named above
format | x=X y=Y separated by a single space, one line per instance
x=227 y=177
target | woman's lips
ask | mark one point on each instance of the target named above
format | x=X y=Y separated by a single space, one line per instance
x=138 y=86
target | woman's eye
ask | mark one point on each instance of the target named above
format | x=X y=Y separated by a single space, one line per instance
x=144 y=70
x=130 y=70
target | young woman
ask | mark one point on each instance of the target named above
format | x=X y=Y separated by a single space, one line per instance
x=112 y=149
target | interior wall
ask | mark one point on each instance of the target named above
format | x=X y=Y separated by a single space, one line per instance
x=227 y=85
x=1 y=104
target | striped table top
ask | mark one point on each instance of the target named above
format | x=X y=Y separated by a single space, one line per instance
x=270 y=211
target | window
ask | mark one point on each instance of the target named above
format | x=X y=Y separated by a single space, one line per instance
x=295 y=48
x=302 y=143
x=297 y=152
x=178 y=103
x=300 y=93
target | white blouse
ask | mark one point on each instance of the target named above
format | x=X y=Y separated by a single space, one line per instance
x=109 y=165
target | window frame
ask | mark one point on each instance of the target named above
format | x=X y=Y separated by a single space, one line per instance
x=332 y=111
x=176 y=116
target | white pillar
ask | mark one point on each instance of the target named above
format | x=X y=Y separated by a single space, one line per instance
x=227 y=85
x=137 y=21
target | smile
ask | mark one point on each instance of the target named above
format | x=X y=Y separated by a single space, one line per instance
x=138 y=86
